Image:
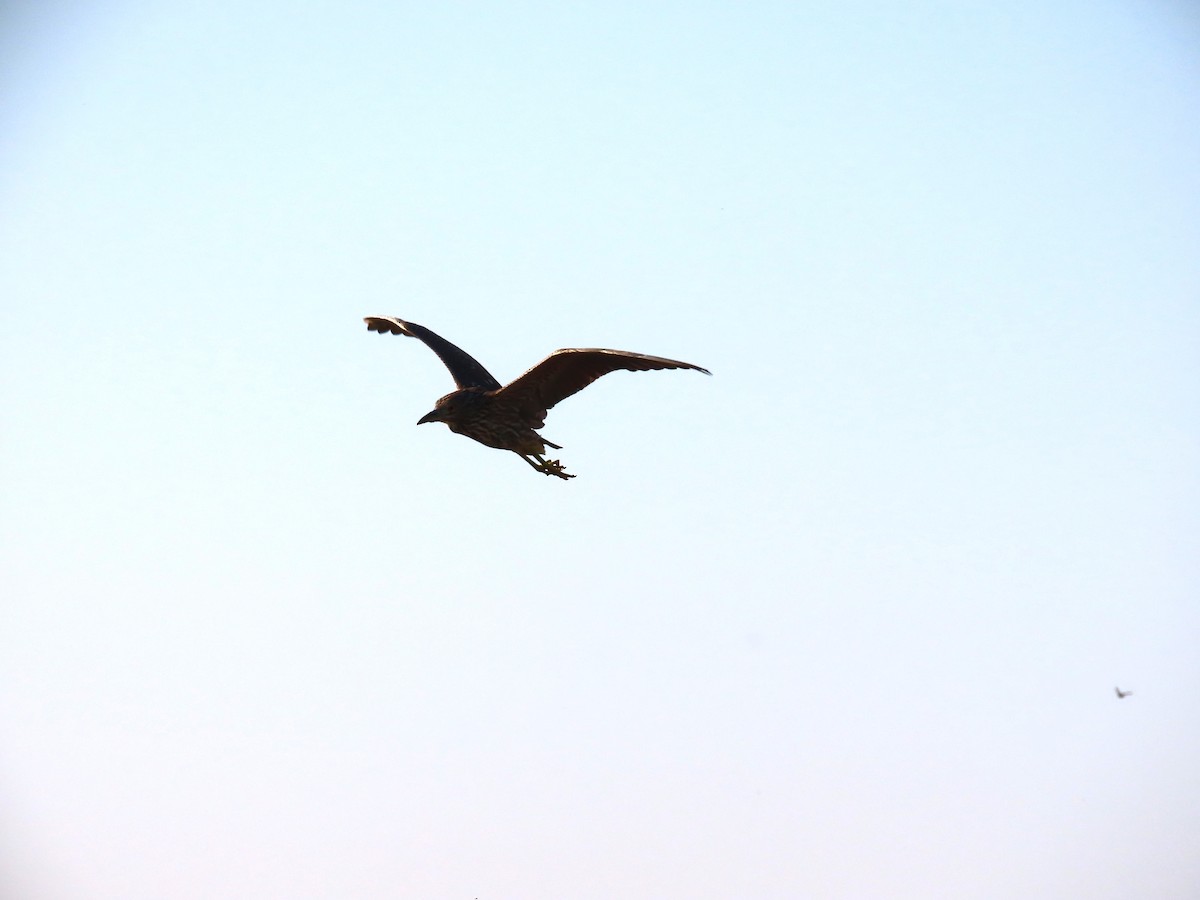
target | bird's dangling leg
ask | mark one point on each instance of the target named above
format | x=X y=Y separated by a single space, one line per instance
x=547 y=466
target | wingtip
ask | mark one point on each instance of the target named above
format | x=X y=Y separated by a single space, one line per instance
x=384 y=325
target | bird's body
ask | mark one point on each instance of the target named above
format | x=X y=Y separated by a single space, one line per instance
x=507 y=417
x=491 y=419
x=1121 y=695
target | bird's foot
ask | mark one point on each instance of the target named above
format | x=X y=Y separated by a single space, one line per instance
x=545 y=466
x=554 y=467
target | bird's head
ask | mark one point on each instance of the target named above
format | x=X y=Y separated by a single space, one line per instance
x=451 y=408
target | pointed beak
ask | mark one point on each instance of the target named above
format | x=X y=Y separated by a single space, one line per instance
x=429 y=417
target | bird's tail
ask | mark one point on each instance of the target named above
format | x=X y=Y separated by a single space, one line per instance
x=550 y=443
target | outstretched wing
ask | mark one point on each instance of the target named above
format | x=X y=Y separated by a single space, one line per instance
x=465 y=369
x=566 y=372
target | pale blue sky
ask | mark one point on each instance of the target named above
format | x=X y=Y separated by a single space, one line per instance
x=842 y=621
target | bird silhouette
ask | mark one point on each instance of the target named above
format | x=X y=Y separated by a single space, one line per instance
x=1121 y=695
x=507 y=417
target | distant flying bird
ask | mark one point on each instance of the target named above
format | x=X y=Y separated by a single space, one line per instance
x=506 y=417
x=1121 y=695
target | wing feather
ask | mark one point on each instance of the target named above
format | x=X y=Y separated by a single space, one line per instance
x=464 y=368
x=566 y=372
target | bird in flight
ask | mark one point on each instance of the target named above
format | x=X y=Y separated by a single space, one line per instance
x=507 y=416
x=1121 y=695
